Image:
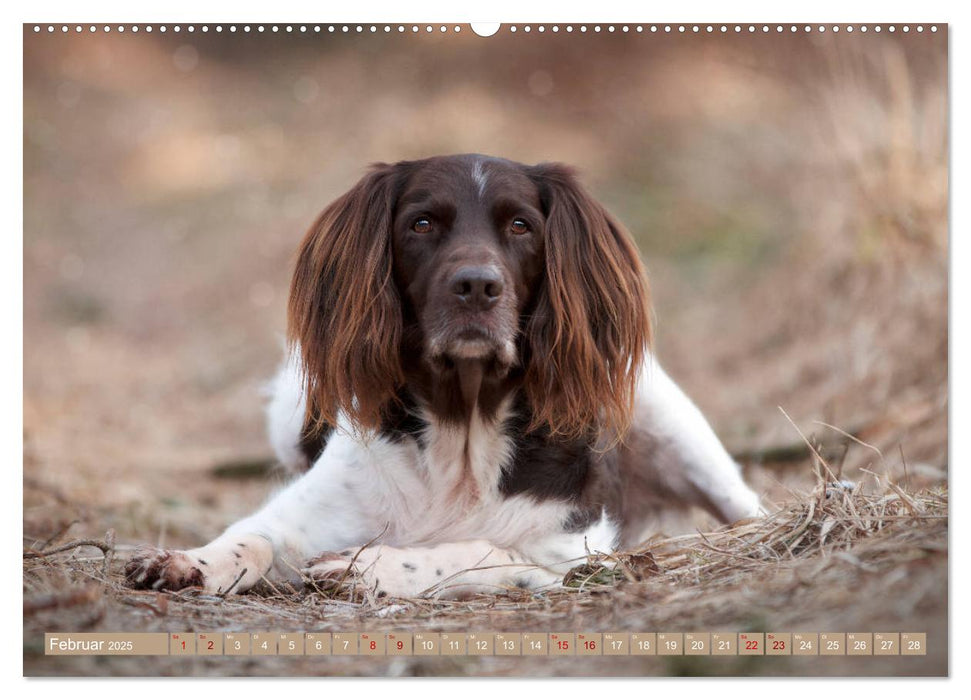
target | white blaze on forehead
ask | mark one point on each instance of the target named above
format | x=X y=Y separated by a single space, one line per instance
x=479 y=177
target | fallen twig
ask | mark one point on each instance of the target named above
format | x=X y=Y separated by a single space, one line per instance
x=105 y=547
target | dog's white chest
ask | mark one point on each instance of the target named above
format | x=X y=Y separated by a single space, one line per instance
x=465 y=462
x=447 y=489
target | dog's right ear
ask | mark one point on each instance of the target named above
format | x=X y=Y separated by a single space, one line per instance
x=344 y=315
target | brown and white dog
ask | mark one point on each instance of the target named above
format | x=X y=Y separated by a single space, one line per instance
x=470 y=389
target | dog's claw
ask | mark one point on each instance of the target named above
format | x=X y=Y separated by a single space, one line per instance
x=158 y=569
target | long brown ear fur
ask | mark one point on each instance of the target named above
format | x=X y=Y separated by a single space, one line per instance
x=344 y=313
x=591 y=328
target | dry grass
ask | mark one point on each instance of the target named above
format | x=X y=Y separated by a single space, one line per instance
x=800 y=567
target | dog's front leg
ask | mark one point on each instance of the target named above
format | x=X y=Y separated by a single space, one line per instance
x=317 y=512
x=461 y=569
x=449 y=570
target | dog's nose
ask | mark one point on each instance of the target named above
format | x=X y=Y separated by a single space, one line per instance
x=479 y=287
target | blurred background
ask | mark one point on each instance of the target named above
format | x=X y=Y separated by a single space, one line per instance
x=788 y=192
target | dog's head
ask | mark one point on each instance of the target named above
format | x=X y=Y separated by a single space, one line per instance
x=468 y=259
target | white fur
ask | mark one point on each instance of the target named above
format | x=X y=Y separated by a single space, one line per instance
x=479 y=177
x=439 y=509
x=688 y=457
x=284 y=415
x=460 y=568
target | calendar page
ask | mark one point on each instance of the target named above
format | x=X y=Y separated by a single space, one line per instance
x=343 y=349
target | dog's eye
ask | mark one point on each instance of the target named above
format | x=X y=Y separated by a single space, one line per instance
x=519 y=227
x=422 y=225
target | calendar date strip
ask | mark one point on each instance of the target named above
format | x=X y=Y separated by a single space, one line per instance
x=487 y=644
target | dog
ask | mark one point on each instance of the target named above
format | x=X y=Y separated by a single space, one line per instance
x=470 y=394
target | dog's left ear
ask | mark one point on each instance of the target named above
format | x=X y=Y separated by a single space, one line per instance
x=591 y=328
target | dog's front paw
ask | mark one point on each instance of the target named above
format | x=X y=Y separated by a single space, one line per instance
x=333 y=572
x=161 y=569
x=329 y=571
x=231 y=564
